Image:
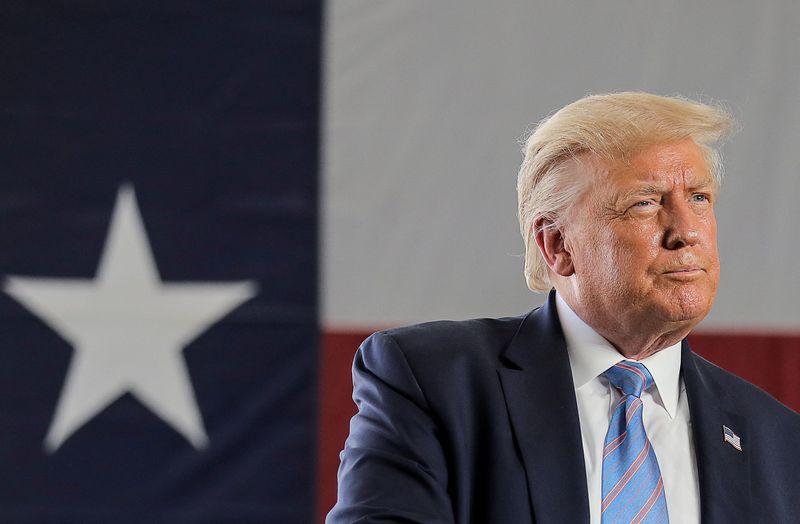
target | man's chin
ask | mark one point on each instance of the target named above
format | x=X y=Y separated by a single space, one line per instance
x=686 y=313
x=684 y=305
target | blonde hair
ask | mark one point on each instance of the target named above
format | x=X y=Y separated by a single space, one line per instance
x=614 y=127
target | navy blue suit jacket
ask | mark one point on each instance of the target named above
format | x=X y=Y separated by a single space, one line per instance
x=477 y=422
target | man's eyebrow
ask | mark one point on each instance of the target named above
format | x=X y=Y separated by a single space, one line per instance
x=704 y=185
x=645 y=190
x=652 y=189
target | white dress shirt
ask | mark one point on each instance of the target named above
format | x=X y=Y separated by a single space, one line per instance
x=665 y=414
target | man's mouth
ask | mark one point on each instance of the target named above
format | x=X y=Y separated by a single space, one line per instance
x=684 y=272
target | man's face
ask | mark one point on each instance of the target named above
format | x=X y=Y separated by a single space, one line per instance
x=643 y=242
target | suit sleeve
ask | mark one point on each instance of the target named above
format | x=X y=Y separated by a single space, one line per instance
x=393 y=466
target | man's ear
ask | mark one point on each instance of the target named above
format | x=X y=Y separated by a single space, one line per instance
x=553 y=248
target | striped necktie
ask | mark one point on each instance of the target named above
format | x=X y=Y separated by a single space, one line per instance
x=633 y=491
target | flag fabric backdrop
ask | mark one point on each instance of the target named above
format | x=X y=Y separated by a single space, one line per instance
x=158 y=257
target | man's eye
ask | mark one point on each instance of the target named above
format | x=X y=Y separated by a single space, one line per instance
x=700 y=197
x=644 y=203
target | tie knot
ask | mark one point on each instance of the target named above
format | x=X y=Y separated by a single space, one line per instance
x=629 y=377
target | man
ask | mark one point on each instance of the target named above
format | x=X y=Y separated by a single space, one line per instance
x=592 y=408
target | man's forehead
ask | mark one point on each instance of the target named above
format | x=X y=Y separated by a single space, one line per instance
x=661 y=166
x=675 y=154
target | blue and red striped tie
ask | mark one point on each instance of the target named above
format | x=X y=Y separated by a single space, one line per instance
x=633 y=491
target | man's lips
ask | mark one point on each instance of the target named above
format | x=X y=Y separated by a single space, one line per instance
x=684 y=272
x=680 y=269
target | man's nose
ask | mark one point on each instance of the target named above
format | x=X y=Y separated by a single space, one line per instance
x=682 y=227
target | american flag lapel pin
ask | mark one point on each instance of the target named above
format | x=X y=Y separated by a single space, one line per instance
x=731 y=438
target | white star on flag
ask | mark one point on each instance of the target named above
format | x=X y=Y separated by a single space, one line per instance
x=128 y=330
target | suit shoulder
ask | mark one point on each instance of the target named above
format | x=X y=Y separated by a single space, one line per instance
x=440 y=342
x=758 y=402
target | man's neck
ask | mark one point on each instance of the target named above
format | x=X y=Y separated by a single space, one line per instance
x=633 y=342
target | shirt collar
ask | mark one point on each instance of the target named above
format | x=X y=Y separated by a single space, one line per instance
x=590 y=355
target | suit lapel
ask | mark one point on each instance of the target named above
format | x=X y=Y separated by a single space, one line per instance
x=724 y=472
x=540 y=398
